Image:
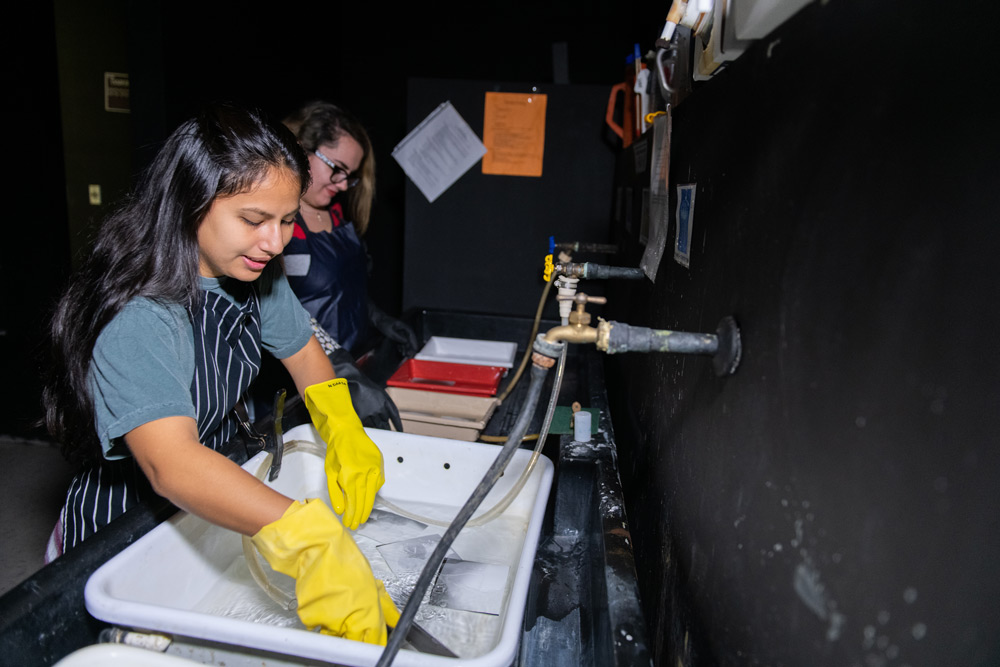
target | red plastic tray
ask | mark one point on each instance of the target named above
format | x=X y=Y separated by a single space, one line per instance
x=448 y=377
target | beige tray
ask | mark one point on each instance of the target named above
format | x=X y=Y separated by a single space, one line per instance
x=469 y=434
x=439 y=404
x=444 y=415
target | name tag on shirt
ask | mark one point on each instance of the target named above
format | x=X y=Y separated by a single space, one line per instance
x=297 y=265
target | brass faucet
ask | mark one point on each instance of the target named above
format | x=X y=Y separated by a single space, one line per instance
x=579 y=330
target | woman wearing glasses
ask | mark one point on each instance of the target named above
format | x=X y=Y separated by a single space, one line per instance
x=327 y=262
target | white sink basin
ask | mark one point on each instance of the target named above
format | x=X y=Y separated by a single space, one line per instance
x=120 y=655
x=189 y=579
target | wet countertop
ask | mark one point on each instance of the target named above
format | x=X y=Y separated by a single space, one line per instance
x=583 y=607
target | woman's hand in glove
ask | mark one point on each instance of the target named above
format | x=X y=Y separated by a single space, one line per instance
x=354 y=471
x=334 y=584
x=395 y=330
x=371 y=402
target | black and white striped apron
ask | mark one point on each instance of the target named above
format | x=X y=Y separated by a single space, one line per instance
x=227 y=343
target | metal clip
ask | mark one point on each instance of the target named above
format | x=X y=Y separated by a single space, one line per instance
x=661 y=68
x=273 y=443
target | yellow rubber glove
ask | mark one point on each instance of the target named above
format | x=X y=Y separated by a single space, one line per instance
x=334 y=584
x=354 y=470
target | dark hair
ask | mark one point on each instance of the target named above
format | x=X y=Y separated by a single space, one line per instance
x=149 y=247
x=318 y=123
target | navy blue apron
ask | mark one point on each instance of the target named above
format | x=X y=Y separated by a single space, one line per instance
x=227 y=343
x=334 y=288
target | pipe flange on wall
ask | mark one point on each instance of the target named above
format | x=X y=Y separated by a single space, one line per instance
x=727 y=358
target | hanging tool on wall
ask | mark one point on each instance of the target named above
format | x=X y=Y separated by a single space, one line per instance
x=634 y=94
x=677 y=8
x=691 y=14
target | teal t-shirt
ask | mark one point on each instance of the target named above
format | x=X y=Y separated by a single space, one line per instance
x=143 y=361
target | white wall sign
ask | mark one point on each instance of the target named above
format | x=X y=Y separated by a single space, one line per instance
x=685 y=222
x=116 y=92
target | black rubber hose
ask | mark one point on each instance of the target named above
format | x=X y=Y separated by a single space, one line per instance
x=531 y=339
x=604 y=272
x=427 y=575
x=626 y=338
x=589 y=270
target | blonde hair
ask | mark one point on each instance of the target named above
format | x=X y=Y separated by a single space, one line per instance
x=318 y=123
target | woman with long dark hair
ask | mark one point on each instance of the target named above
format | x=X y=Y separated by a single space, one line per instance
x=158 y=338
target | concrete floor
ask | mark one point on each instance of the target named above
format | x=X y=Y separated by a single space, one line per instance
x=35 y=479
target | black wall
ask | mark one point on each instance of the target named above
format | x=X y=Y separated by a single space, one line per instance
x=480 y=246
x=363 y=55
x=35 y=258
x=834 y=502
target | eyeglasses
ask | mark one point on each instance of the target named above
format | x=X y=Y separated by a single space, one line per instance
x=340 y=174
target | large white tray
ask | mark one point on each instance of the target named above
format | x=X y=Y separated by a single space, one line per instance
x=120 y=655
x=163 y=581
x=469 y=351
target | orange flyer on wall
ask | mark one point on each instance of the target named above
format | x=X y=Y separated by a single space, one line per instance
x=514 y=134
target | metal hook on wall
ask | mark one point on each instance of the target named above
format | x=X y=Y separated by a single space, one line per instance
x=661 y=67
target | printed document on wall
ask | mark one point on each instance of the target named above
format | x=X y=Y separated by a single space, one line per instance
x=438 y=151
x=514 y=133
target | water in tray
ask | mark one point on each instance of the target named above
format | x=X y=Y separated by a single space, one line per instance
x=461 y=608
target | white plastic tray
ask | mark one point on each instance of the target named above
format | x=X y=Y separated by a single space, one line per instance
x=162 y=581
x=469 y=351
